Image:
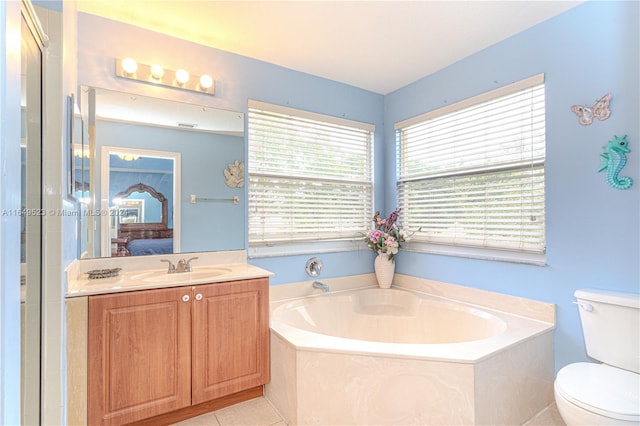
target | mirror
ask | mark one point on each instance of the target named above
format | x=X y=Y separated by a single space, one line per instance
x=177 y=152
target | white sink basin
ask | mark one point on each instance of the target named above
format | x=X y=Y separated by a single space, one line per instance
x=179 y=277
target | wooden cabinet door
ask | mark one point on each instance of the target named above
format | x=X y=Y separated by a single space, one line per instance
x=230 y=338
x=139 y=355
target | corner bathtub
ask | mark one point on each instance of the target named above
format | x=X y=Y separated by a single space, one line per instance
x=396 y=356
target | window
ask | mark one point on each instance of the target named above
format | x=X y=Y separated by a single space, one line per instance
x=472 y=175
x=310 y=181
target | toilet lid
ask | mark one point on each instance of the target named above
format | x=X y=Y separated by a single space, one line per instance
x=602 y=389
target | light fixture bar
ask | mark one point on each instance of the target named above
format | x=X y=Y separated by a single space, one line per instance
x=158 y=75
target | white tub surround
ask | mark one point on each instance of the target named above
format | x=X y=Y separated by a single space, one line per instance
x=416 y=354
x=147 y=272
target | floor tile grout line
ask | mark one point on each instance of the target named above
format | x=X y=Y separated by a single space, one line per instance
x=282 y=419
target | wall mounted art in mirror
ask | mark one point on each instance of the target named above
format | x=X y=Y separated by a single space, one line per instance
x=169 y=150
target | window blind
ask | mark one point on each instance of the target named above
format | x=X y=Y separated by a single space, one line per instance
x=310 y=176
x=474 y=175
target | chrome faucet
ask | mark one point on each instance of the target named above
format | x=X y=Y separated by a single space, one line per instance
x=182 y=266
x=172 y=267
x=323 y=286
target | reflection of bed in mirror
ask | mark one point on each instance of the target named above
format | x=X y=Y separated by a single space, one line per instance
x=139 y=237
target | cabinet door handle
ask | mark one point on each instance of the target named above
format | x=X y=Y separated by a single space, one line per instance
x=199 y=296
x=185 y=298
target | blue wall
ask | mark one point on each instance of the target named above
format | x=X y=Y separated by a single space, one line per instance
x=592 y=229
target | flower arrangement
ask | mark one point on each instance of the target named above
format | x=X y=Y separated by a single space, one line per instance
x=387 y=235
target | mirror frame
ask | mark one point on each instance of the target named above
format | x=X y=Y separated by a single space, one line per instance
x=70 y=140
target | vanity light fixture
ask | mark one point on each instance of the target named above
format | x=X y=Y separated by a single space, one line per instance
x=157 y=72
x=206 y=82
x=128 y=157
x=182 y=77
x=129 y=66
x=81 y=151
x=158 y=75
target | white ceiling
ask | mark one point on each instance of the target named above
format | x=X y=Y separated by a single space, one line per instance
x=375 y=45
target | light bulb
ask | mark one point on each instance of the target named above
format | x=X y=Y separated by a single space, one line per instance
x=157 y=72
x=206 y=81
x=129 y=66
x=182 y=76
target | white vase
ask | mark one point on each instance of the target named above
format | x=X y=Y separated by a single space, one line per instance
x=385 y=269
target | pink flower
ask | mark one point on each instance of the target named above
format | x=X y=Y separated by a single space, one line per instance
x=375 y=235
x=387 y=236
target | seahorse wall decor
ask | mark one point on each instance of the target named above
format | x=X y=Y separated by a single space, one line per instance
x=613 y=160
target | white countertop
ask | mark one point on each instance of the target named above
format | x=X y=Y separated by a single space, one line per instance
x=125 y=281
x=223 y=267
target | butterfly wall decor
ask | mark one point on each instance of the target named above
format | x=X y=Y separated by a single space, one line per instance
x=600 y=111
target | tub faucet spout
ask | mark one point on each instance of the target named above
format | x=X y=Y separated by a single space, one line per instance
x=323 y=286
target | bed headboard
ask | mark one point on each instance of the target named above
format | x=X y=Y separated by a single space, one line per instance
x=137 y=231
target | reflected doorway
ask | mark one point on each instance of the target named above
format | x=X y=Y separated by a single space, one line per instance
x=140 y=194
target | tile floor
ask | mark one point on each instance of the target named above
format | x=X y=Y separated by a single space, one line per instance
x=548 y=417
x=255 y=412
x=259 y=412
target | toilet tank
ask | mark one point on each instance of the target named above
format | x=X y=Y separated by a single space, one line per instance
x=611 y=327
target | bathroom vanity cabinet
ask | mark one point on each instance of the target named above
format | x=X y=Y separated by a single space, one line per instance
x=156 y=351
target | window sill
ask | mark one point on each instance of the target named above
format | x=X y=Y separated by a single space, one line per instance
x=477 y=253
x=302 y=247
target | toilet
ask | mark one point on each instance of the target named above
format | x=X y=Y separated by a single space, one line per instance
x=588 y=393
